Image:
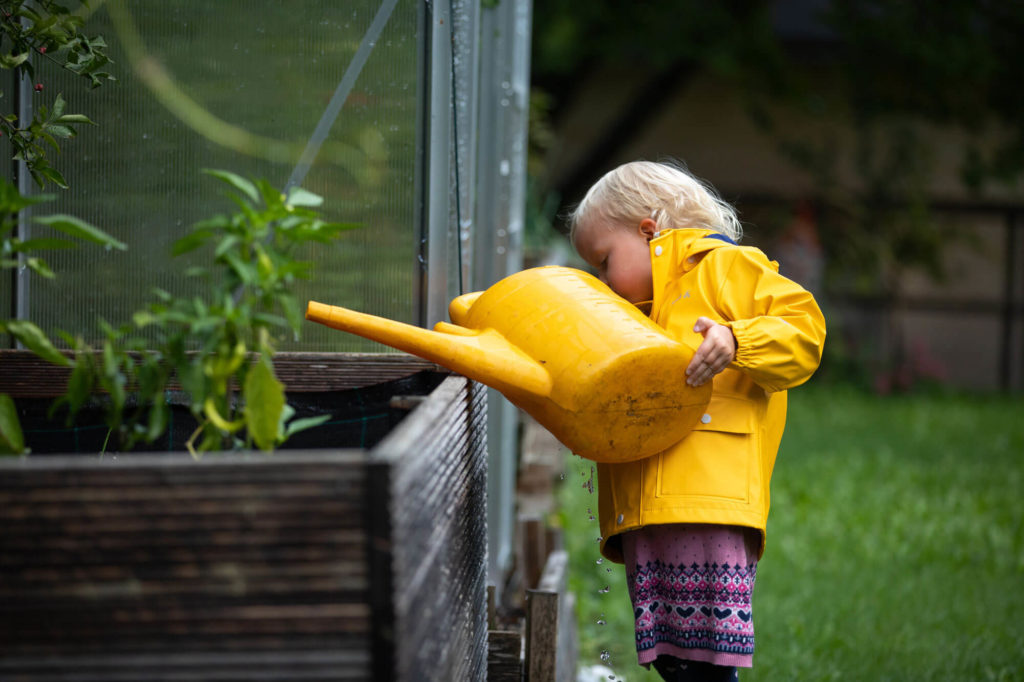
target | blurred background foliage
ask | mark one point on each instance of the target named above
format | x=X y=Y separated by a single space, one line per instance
x=887 y=71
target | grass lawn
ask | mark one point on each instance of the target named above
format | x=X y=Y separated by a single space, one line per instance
x=895 y=545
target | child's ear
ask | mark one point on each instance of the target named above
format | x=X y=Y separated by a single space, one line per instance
x=648 y=228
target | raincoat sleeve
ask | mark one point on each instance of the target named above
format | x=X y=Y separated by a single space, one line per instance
x=778 y=326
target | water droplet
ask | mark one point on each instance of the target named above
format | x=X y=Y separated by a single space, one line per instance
x=606 y=655
x=604 y=590
x=600 y=560
x=599 y=538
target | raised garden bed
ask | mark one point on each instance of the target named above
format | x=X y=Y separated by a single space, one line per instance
x=362 y=557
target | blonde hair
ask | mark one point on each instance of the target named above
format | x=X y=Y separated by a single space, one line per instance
x=665 y=192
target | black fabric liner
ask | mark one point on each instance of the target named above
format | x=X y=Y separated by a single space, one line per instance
x=360 y=418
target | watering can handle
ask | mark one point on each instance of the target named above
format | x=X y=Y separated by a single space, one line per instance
x=458 y=309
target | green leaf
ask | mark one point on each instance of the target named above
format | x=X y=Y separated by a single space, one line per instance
x=246 y=272
x=41 y=245
x=75 y=227
x=196 y=271
x=60 y=131
x=213 y=225
x=301 y=197
x=226 y=244
x=264 y=402
x=236 y=181
x=46 y=136
x=33 y=338
x=11 y=201
x=270 y=320
x=75 y=118
x=40 y=171
x=297 y=425
x=142 y=318
x=39 y=266
x=292 y=312
x=10 y=61
x=80 y=385
x=158 y=418
x=12 y=440
x=191 y=241
x=271 y=196
x=58 y=106
x=287 y=412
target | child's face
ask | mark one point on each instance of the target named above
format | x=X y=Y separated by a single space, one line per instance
x=621 y=256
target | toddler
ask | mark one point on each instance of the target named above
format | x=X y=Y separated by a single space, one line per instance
x=689 y=522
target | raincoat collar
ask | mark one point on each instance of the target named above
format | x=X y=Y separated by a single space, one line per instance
x=677 y=251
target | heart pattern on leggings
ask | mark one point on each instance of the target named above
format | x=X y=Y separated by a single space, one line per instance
x=693 y=606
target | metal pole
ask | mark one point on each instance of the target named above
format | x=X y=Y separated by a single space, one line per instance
x=355 y=67
x=438 y=164
x=1009 y=307
x=23 y=181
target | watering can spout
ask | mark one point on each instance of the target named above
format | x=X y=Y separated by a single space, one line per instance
x=483 y=355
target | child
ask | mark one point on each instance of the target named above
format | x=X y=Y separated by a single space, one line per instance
x=689 y=522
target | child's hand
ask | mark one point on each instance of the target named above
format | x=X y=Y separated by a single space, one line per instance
x=714 y=354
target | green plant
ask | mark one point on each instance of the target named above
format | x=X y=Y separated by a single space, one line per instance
x=206 y=342
x=12 y=203
x=46 y=30
x=14 y=252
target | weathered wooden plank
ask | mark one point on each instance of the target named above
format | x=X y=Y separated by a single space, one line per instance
x=242 y=666
x=23 y=375
x=437 y=461
x=504 y=656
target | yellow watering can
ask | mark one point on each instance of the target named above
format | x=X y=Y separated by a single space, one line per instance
x=557 y=342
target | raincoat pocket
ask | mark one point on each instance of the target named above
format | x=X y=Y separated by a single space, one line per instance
x=718 y=457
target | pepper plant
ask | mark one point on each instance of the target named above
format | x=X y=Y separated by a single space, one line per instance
x=219 y=346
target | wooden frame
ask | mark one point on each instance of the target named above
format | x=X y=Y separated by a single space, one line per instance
x=320 y=564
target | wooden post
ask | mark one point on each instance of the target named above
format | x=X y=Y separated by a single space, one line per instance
x=549 y=656
x=541 y=636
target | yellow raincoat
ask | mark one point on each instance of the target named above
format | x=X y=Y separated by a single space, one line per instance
x=720 y=473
